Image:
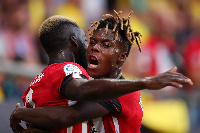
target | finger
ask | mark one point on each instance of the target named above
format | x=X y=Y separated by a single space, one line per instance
x=183 y=76
x=189 y=81
x=14 y=124
x=179 y=75
x=182 y=81
x=174 y=84
x=174 y=69
x=16 y=128
x=186 y=79
x=19 y=128
x=18 y=105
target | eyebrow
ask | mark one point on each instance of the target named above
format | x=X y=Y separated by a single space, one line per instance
x=104 y=40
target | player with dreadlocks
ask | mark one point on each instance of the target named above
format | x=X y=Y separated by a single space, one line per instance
x=110 y=43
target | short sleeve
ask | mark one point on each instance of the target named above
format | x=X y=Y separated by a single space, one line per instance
x=66 y=80
x=72 y=71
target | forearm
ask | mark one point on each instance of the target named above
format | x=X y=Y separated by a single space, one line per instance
x=106 y=89
x=57 y=116
x=42 y=116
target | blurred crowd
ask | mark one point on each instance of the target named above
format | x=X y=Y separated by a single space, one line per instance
x=171 y=37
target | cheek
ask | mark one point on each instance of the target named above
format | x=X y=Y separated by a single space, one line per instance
x=89 y=47
x=112 y=56
x=109 y=61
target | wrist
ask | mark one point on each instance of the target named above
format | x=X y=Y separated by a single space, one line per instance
x=146 y=82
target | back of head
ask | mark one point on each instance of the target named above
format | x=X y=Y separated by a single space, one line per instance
x=119 y=26
x=54 y=33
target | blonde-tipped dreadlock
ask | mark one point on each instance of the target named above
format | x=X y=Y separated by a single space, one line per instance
x=118 y=24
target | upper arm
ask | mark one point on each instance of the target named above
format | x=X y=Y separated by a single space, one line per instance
x=74 y=76
x=70 y=87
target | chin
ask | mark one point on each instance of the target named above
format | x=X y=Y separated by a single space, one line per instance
x=91 y=74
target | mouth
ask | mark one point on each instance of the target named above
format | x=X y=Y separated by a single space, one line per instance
x=93 y=62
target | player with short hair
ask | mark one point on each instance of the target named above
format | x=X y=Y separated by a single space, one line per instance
x=109 y=46
x=61 y=38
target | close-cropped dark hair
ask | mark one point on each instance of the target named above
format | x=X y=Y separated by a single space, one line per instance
x=120 y=26
x=51 y=32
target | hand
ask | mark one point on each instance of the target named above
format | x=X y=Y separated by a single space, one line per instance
x=15 y=123
x=32 y=129
x=169 y=78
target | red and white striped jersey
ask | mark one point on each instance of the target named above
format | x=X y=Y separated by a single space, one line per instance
x=44 y=90
x=128 y=121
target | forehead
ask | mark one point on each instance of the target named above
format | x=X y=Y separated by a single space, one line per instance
x=101 y=34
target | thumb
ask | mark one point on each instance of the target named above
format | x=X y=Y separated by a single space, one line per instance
x=174 y=69
x=18 y=105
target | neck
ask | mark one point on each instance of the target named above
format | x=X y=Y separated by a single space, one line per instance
x=114 y=75
x=62 y=56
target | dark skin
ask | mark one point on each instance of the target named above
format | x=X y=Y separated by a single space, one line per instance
x=110 y=56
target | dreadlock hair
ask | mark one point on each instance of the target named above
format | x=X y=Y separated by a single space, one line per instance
x=120 y=26
x=51 y=32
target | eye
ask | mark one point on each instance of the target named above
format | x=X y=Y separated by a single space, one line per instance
x=106 y=45
x=92 y=42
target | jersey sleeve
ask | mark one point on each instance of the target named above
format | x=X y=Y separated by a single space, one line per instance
x=66 y=80
x=72 y=71
x=113 y=106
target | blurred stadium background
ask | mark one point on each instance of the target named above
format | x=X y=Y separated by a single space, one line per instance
x=171 y=37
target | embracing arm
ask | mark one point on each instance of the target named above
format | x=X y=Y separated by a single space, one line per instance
x=95 y=90
x=56 y=116
x=105 y=89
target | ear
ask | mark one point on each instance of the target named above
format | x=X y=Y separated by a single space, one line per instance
x=122 y=57
x=73 y=41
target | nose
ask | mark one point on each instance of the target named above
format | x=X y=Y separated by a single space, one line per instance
x=96 y=48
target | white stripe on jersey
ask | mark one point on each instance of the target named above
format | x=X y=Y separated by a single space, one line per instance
x=116 y=124
x=84 y=124
x=84 y=127
x=69 y=129
x=70 y=103
x=98 y=124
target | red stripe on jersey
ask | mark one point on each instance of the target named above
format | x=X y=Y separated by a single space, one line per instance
x=76 y=128
x=108 y=124
x=81 y=128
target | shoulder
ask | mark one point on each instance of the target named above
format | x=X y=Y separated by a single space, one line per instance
x=75 y=69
